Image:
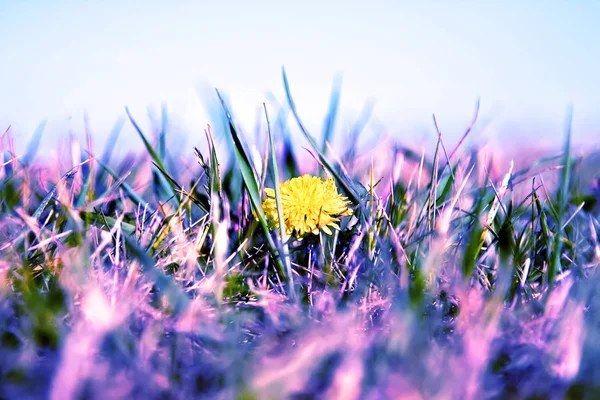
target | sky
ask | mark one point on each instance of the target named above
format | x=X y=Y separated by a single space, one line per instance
x=526 y=60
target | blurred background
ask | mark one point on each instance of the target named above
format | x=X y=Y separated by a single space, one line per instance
x=526 y=60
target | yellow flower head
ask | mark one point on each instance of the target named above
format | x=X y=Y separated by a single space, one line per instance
x=309 y=204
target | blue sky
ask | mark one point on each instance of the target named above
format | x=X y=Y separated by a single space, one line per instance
x=526 y=59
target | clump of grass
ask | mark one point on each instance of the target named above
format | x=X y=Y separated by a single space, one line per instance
x=159 y=275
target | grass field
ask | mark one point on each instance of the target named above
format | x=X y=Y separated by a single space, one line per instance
x=164 y=276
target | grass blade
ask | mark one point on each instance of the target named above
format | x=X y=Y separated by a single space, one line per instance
x=128 y=189
x=343 y=181
x=112 y=140
x=162 y=139
x=180 y=189
x=34 y=143
x=555 y=266
x=164 y=184
x=282 y=231
x=251 y=184
x=178 y=300
x=330 y=118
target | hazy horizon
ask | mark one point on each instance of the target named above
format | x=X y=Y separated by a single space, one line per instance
x=526 y=61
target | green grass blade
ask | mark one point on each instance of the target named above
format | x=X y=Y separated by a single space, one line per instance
x=34 y=143
x=282 y=232
x=68 y=177
x=345 y=182
x=110 y=145
x=291 y=166
x=563 y=193
x=151 y=151
x=106 y=221
x=176 y=186
x=128 y=189
x=178 y=300
x=475 y=239
x=157 y=159
x=215 y=169
x=251 y=184
x=112 y=140
x=84 y=190
x=162 y=141
x=330 y=118
x=356 y=130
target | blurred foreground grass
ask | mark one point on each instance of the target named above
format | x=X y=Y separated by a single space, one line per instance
x=159 y=276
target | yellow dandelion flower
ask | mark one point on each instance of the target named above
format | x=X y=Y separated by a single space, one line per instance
x=309 y=204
